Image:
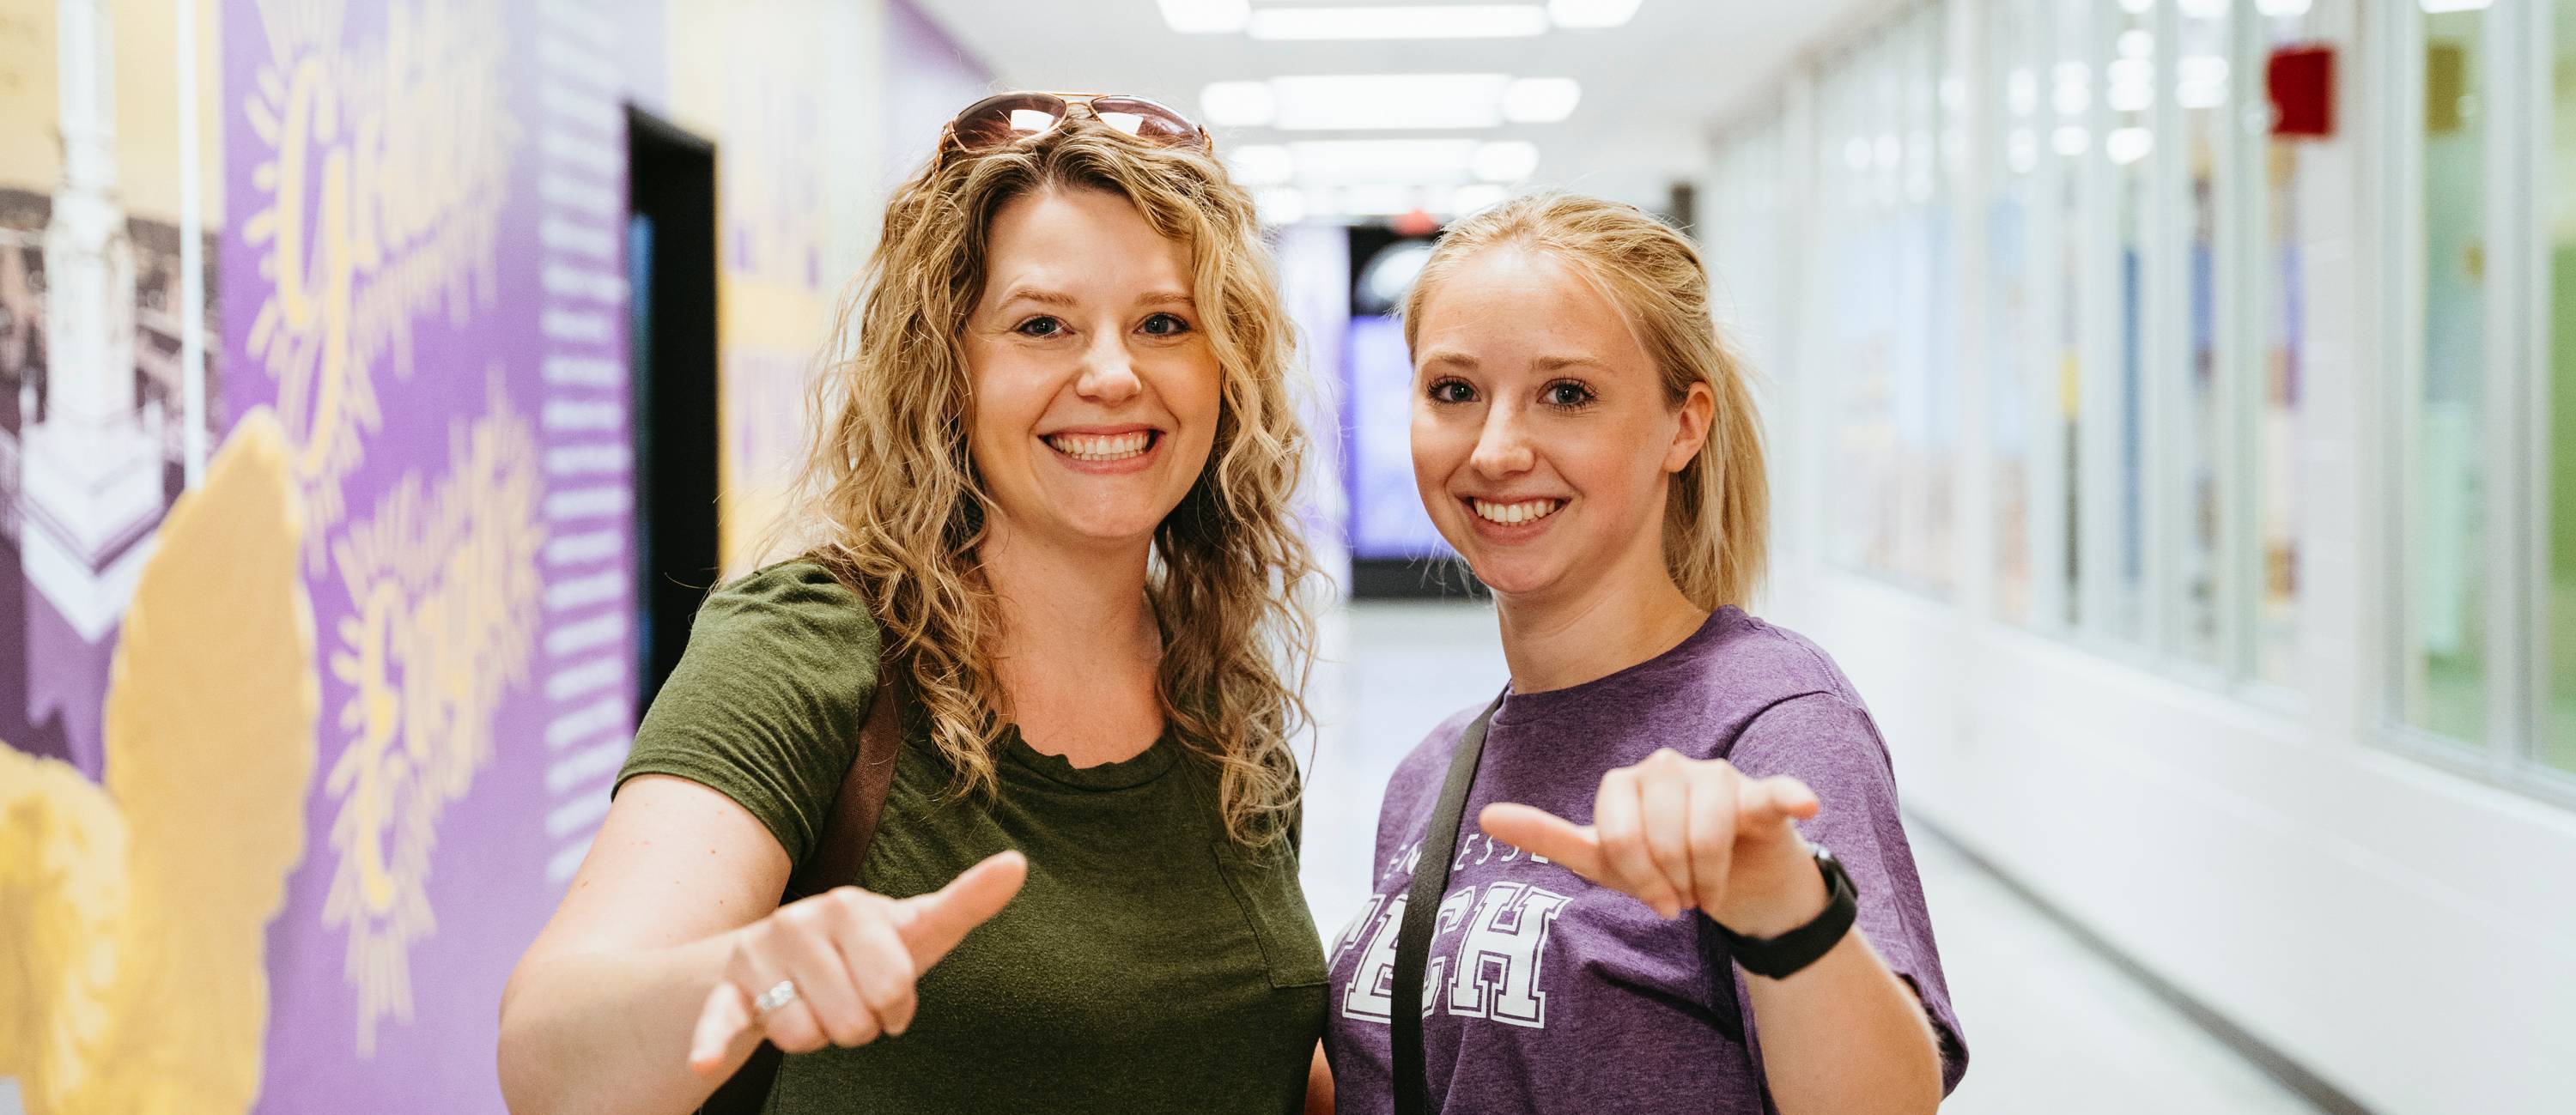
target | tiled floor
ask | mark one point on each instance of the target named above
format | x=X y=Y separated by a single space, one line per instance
x=2052 y=1029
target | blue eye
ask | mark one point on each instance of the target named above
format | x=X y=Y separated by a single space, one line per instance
x=1041 y=326
x=1567 y=394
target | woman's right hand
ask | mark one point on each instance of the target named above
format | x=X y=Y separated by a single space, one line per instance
x=852 y=956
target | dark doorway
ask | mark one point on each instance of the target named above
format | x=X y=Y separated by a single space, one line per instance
x=671 y=331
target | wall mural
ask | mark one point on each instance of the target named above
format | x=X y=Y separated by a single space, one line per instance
x=316 y=622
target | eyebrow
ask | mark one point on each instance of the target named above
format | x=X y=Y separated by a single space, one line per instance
x=1041 y=297
x=1063 y=300
x=1454 y=358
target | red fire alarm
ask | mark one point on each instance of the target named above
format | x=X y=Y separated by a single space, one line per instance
x=2300 y=80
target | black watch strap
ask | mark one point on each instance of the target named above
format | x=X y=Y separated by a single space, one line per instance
x=1782 y=956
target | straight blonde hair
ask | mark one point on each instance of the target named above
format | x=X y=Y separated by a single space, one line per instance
x=890 y=501
x=1717 y=514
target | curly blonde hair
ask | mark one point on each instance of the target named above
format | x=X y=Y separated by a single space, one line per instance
x=1717 y=515
x=890 y=500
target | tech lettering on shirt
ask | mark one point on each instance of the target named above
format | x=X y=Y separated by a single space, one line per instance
x=1488 y=944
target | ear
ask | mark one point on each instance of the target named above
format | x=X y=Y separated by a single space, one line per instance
x=1698 y=410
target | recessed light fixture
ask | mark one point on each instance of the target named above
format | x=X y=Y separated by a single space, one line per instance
x=1261 y=164
x=1401 y=21
x=1238 y=104
x=1541 y=100
x=1591 y=13
x=1196 y=17
x=1361 y=161
x=1506 y=161
x=1388 y=102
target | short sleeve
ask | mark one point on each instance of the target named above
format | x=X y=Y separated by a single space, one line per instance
x=1833 y=746
x=766 y=702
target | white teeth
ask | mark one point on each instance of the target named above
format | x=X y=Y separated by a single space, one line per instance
x=1510 y=514
x=1101 y=447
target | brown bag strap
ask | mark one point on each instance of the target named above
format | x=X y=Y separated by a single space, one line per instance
x=834 y=861
x=852 y=824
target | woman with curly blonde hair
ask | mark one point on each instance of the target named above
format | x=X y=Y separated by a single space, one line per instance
x=1047 y=503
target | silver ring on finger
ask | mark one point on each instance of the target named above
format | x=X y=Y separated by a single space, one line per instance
x=779 y=995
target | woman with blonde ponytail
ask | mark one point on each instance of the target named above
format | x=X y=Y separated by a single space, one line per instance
x=1664 y=871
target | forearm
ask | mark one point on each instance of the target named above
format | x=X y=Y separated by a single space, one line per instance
x=609 y=1032
x=1845 y=1036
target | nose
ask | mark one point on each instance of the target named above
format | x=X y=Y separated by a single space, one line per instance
x=1502 y=444
x=1108 y=374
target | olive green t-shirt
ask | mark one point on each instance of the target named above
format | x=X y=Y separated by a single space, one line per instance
x=1149 y=963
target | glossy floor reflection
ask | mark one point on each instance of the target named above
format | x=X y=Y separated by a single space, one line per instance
x=2053 y=1028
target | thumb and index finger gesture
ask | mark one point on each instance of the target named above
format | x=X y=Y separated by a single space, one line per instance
x=850 y=958
x=1672 y=832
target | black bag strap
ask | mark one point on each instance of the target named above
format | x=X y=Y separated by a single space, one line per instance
x=838 y=851
x=1421 y=914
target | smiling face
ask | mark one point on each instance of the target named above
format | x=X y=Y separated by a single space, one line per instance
x=1095 y=391
x=1544 y=438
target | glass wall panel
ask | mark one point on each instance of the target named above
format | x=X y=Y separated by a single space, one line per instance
x=2558 y=214
x=2445 y=535
x=2020 y=381
x=2062 y=183
x=2201 y=81
x=2129 y=93
x=2281 y=285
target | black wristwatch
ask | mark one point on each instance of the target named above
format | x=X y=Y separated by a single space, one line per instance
x=1782 y=956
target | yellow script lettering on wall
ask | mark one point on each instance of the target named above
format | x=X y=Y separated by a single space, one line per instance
x=136 y=911
x=388 y=161
x=444 y=585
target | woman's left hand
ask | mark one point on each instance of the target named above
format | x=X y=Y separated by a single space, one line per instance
x=1681 y=834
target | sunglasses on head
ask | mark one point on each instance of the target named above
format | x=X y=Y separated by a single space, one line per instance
x=1008 y=118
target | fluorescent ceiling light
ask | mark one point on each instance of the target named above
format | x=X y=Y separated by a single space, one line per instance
x=1238 y=104
x=1541 y=100
x=2445 y=7
x=1392 y=101
x=1327 y=162
x=1198 y=17
x=1457 y=21
x=1368 y=102
x=1261 y=164
x=1591 y=13
x=1380 y=200
x=1506 y=161
x=2282 y=8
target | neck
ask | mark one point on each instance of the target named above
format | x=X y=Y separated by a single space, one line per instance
x=1570 y=634
x=1066 y=609
x=1076 y=653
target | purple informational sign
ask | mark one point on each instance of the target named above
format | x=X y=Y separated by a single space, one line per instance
x=423 y=259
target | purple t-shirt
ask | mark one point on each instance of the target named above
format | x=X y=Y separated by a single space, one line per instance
x=1545 y=992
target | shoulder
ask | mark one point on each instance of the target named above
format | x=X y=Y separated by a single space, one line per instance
x=790 y=600
x=766 y=702
x=1762 y=663
x=1422 y=769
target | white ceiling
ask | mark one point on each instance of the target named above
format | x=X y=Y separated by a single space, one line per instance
x=1651 y=89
